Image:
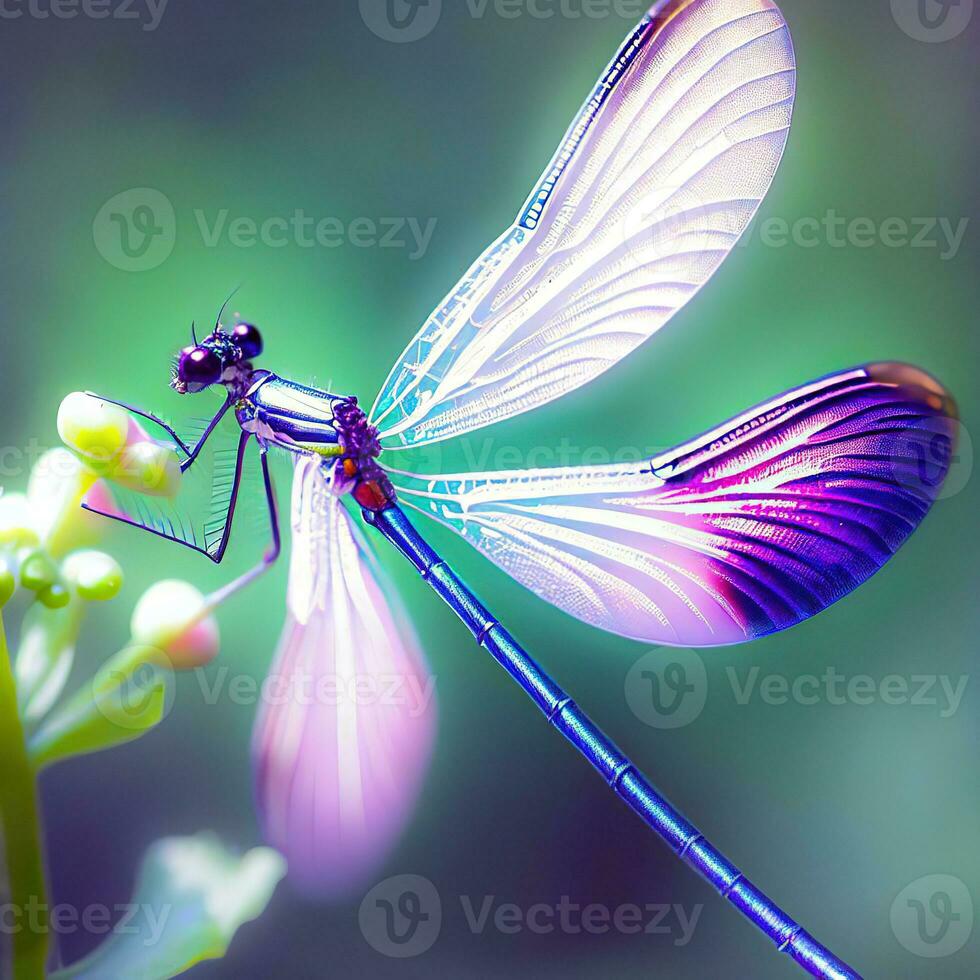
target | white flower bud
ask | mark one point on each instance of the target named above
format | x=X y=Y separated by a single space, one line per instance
x=148 y=467
x=174 y=617
x=94 y=429
x=18 y=529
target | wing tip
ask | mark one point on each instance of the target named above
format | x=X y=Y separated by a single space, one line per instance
x=919 y=384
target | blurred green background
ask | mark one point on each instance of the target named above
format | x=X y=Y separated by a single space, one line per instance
x=258 y=110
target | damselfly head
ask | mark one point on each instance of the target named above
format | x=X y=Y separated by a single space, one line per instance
x=197 y=368
x=218 y=358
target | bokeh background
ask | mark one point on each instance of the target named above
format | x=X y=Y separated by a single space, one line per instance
x=258 y=110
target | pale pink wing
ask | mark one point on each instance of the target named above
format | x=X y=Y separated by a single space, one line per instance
x=751 y=528
x=656 y=180
x=345 y=732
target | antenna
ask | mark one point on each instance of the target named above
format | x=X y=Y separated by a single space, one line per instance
x=217 y=322
x=194 y=334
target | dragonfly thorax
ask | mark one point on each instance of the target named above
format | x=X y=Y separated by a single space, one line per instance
x=309 y=421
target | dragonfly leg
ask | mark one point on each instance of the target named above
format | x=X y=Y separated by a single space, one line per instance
x=619 y=772
x=275 y=547
x=190 y=452
x=199 y=445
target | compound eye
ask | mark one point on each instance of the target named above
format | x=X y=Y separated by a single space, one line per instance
x=199 y=367
x=248 y=340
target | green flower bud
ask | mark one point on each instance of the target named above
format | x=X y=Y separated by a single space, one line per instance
x=95 y=575
x=55 y=596
x=37 y=571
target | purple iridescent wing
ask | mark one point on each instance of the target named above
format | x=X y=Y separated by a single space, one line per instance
x=656 y=180
x=747 y=530
x=344 y=736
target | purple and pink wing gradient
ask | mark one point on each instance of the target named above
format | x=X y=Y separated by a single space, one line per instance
x=656 y=180
x=747 y=530
x=345 y=732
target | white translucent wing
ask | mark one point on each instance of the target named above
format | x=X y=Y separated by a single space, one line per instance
x=658 y=177
x=749 y=529
x=348 y=716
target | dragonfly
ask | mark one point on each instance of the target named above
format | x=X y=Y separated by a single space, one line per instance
x=748 y=529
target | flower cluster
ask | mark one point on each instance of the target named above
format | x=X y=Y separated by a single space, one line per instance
x=50 y=572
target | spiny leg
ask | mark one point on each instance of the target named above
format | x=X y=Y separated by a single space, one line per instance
x=189 y=452
x=275 y=548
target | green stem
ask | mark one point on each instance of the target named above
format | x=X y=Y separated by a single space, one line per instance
x=21 y=834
